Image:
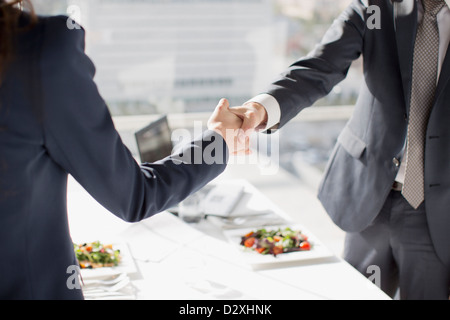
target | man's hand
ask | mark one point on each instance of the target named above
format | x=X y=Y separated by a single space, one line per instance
x=254 y=116
x=228 y=125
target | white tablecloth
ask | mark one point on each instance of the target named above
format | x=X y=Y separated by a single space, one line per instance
x=174 y=260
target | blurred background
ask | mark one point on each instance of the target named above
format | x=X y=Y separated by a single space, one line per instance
x=180 y=57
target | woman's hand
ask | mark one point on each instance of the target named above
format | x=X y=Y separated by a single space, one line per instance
x=228 y=125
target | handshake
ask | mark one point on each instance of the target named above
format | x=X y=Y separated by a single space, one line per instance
x=236 y=124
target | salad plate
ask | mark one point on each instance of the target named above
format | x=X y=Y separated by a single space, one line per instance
x=276 y=245
x=125 y=265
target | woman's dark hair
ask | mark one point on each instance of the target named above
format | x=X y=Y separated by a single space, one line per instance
x=10 y=13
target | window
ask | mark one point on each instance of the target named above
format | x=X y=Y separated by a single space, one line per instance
x=162 y=56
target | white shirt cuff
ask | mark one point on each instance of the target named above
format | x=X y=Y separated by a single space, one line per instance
x=272 y=107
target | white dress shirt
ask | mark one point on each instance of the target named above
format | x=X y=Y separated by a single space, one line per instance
x=443 y=19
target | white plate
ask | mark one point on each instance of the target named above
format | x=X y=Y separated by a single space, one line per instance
x=318 y=250
x=126 y=265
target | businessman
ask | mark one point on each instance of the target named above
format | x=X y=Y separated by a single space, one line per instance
x=388 y=179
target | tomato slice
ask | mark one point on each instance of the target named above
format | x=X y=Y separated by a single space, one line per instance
x=277 y=250
x=249 y=242
x=260 y=250
x=305 y=245
x=249 y=234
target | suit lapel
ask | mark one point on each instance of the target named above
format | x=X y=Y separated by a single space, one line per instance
x=445 y=74
x=405 y=13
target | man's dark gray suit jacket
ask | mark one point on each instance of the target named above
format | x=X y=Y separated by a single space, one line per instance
x=363 y=164
x=54 y=122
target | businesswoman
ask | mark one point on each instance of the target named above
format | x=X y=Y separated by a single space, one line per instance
x=53 y=122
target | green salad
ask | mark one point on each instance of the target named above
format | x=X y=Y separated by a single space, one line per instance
x=275 y=242
x=96 y=255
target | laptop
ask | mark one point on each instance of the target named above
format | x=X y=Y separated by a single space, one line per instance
x=154 y=142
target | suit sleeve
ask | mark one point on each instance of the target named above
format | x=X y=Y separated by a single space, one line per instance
x=81 y=138
x=315 y=75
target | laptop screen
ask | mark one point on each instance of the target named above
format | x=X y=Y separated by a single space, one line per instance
x=154 y=141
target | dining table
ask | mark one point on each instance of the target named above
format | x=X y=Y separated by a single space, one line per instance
x=164 y=257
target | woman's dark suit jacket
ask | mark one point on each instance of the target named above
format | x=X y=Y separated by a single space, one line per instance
x=53 y=122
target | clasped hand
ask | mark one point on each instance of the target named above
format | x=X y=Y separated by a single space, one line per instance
x=236 y=124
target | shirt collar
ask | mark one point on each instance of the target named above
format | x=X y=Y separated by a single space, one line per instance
x=446 y=1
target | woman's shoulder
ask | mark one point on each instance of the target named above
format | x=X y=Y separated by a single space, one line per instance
x=60 y=31
x=60 y=23
x=46 y=32
x=60 y=39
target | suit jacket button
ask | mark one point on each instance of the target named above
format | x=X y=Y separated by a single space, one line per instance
x=396 y=162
